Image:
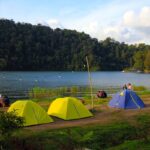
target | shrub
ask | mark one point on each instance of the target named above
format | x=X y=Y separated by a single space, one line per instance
x=139 y=88
x=9 y=122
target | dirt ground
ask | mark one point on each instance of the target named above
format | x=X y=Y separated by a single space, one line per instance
x=102 y=115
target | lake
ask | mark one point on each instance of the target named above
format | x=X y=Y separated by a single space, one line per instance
x=18 y=83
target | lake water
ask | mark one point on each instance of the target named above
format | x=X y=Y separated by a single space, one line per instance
x=20 y=82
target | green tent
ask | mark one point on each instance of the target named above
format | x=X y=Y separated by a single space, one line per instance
x=68 y=108
x=32 y=112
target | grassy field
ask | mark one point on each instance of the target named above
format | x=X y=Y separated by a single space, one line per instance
x=117 y=135
x=109 y=128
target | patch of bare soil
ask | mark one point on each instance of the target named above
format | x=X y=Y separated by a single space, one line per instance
x=103 y=115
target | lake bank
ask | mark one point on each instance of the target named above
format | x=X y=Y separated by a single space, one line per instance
x=18 y=84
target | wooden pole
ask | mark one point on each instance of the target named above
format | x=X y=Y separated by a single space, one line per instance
x=90 y=82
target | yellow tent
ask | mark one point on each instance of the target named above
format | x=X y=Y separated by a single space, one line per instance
x=33 y=113
x=68 y=108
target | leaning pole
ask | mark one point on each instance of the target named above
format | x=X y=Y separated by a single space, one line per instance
x=90 y=82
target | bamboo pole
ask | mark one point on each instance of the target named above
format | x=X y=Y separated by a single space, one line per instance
x=90 y=82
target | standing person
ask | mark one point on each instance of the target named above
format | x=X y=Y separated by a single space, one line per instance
x=129 y=86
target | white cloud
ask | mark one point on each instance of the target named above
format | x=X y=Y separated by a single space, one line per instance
x=53 y=23
x=131 y=26
x=130 y=18
x=144 y=17
x=137 y=19
x=139 y=23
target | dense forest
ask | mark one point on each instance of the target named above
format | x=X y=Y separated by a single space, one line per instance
x=35 y=47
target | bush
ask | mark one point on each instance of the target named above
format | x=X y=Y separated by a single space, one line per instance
x=139 y=88
x=9 y=122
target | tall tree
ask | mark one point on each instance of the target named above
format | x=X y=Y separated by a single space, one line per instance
x=147 y=61
x=139 y=58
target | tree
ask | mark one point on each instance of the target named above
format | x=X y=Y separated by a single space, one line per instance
x=147 y=61
x=3 y=63
x=139 y=58
x=35 y=47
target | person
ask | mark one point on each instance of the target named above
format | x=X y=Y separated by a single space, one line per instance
x=82 y=101
x=6 y=101
x=1 y=101
x=125 y=87
x=101 y=94
x=129 y=86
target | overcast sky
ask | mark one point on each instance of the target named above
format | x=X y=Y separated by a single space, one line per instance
x=124 y=20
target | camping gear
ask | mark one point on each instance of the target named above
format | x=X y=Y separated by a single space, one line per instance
x=101 y=94
x=32 y=112
x=127 y=99
x=68 y=108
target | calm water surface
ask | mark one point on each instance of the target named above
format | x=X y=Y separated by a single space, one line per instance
x=24 y=81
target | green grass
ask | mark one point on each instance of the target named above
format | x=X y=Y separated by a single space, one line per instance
x=139 y=88
x=97 y=101
x=119 y=135
x=38 y=94
x=146 y=92
x=45 y=93
x=132 y=145
x=115 y=136
x=75 y=91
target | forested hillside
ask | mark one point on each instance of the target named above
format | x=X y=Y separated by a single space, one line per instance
x=35 y=47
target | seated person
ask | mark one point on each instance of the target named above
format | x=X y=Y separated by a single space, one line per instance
x=129 y=86
x=125 y=87
x=6 y=101
x=101 y=94
x=1 y=101
x=82 y=101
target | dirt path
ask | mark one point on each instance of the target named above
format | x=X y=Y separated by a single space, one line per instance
x=103 y=115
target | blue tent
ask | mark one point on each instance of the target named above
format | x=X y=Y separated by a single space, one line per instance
x=127 y=99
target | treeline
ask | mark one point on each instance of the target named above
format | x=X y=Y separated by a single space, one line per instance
x=35 y=47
